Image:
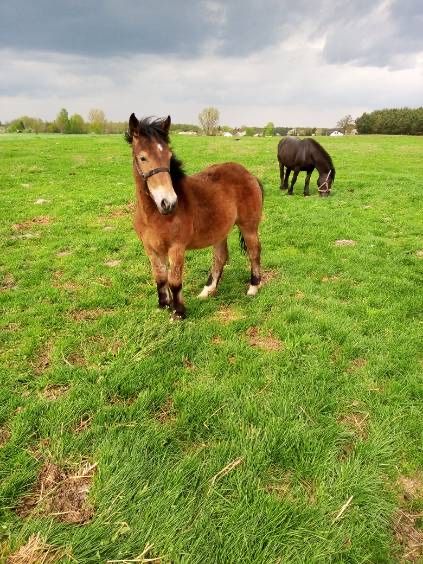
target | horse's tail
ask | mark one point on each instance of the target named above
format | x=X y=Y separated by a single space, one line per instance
x=242 y=242
x=261 y=189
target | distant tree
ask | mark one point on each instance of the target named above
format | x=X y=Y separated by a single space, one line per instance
x=269 y=129
x=346 y=124
x=97 y=120
x=16 y=126
x=209 y=120
x=77 y=124
x=62 y=121
x=250 y=131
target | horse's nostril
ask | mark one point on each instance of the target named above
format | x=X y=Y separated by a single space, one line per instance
x=165 y=204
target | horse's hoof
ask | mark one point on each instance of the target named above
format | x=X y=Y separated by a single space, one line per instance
x=252 y=290
x=178 y=315
x=206 y=292
x=306 y=195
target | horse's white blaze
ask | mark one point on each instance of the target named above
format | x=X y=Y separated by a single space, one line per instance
x=252 y=290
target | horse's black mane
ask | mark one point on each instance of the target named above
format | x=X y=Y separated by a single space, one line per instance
x=152 y=128
x=326 y=155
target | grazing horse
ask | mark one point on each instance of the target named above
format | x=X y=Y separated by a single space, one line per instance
x=175 y=212
x=305 y=154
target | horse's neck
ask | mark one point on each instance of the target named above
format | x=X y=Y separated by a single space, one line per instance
x=145 y=203
x=321 y=163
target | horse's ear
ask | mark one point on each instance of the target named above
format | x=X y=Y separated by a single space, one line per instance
x=133 y=125
x=165 y=125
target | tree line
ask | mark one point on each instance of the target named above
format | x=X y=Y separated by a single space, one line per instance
x=96 y=123
x=392 y=121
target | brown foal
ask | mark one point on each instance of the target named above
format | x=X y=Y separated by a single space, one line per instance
x=175 y=212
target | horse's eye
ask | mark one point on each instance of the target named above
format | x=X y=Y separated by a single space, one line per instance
x=142 y=158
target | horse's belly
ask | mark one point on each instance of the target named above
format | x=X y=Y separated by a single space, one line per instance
x=211 y=228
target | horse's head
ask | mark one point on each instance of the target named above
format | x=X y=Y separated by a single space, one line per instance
x=150 y=147
x=325 y=181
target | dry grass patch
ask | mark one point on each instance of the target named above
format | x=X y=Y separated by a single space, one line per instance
x=345 y=243
x=42 y=361
x=265 y=342
x=89 y=314
x=332 y=278
x=268 y=275
x=8 y=282
x=4 y=436
x=227 y=314
x=36 y=551
x=112 y=263
x=61 y=493
x=83 y=424
x=64 y=253
x=356 y=364
x=409 y=536
x=121 y=211
x=419 y=253
x=29 y=223
x=280 y=485
x=166 y=413
x=54 y=391
x=356 y=423
x=411 y=487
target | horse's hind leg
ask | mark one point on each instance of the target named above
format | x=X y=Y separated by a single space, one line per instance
x=252 y=243
x=285 y=182
x=220 y=258
x=281 y=174
x=293 y=181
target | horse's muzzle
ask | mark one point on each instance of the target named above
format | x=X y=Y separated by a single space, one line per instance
x=324 y=194
x=167 y=207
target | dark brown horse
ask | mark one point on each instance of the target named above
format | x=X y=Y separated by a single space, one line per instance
x=176 y=212
x=305 y=154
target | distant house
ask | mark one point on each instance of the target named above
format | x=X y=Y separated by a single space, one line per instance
x=336 y=134
x=187 y=133
x=227 y=134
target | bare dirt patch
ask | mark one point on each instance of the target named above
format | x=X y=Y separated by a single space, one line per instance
x=28 y=224
x=8 y=282
x=356 y=422
x=265 y=342
x=36 y=551
x=54 y=391
x=89 y=314
x=419 y=253
x=61 y=493
x=408 y=535
x=227 y=315
x=166 y=413
x=356 y=364
x=345 y=243
x=188 y=364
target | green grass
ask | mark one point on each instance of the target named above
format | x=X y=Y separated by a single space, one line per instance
x=334 y=411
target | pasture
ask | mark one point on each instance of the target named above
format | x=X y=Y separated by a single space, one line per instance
x=284 y=428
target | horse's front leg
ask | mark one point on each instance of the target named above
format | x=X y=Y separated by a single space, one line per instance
x=159 y=268
x=176 y=267
x=307 y=183
x=293 y=181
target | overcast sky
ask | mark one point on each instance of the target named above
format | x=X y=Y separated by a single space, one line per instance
x=299 y=62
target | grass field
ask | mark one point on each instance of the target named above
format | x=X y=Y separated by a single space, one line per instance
x=285 y=428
